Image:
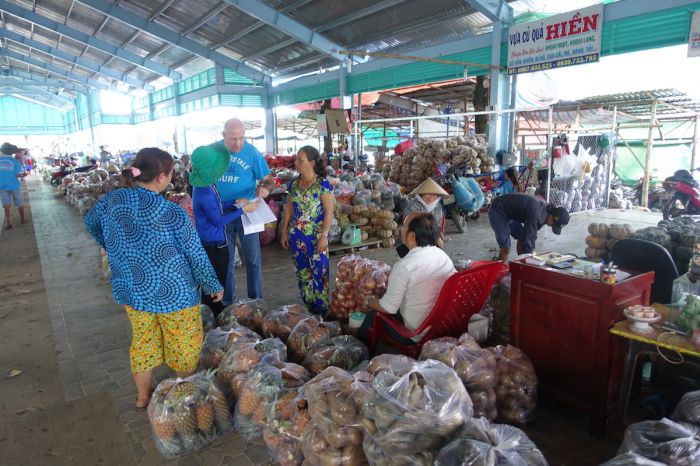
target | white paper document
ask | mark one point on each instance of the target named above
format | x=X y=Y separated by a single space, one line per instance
x=254 y=222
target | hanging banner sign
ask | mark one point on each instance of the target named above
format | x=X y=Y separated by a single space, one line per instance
x=568 y=39
x=322 y=125
x=694 y=37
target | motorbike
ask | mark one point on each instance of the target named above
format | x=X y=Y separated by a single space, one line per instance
x=65 y=169
x=685 y=195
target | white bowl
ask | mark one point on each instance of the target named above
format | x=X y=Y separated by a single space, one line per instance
x=641 y=324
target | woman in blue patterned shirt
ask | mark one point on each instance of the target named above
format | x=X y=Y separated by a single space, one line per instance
x=158 y=265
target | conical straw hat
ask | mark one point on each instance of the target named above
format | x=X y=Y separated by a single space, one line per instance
x=429 y=186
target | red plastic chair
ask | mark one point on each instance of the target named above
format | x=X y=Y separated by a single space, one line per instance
x=462 y=296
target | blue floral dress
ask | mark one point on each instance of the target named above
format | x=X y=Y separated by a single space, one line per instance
x=313 y=269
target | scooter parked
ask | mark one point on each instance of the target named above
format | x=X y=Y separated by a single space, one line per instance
x=685 y=199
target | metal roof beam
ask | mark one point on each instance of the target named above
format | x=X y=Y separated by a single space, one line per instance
x=268 y=15
x=35 y=101
x=88 y=65
x=38 y=91
x=354 y=16
x=38 y=78
x=215 y=10
x=87 y=39
x=495 y=10
x=274 y=48
x=19 y=82
x=172 y=37
x=53 y=69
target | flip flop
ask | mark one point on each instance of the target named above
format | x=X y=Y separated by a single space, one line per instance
x=141 y=408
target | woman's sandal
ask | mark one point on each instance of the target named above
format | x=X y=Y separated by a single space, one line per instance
x=143 y=407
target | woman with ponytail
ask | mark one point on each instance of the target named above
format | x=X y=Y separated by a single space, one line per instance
x=310 y=211
x=158 y=265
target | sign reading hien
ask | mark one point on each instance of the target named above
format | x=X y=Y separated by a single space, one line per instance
x=563 y=40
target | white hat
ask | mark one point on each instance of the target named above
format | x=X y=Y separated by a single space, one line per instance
x=429 y=186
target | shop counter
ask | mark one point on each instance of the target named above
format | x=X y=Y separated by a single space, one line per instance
x=562 y=322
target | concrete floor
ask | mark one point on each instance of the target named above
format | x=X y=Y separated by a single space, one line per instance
x=91 y=332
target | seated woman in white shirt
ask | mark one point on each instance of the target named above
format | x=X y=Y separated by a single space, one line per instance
x=415 y=280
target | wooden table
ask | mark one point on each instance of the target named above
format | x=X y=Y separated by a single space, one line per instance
x=562 y=322
x=645 y=344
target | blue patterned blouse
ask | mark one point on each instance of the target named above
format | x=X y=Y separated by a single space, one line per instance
x=156 y=257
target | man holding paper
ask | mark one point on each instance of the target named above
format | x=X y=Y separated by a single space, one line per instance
x=247 y=177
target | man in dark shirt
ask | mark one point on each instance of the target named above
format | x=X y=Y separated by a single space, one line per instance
x=522 y=215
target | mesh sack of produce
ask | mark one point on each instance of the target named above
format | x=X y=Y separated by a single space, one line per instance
x=243 y=356
x=217 y=342
x=343 y=351
x=264 y=384
x=308 y=333
x=415 y=412
x=208 y=320
x=280 y=322
x=631 y=459
x=688 y=409
x=187 y=414
x=335 y=399
x=476 y=368
x=248 y=312
x=516 y=388
x=481 y=443
x=287 y=417
x=673 y=443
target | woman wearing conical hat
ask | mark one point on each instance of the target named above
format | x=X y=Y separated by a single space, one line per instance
x=426 y=198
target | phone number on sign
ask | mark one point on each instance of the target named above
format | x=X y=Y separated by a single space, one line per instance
x=554 y=64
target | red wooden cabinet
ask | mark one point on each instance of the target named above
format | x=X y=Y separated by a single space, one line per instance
x=562 y=324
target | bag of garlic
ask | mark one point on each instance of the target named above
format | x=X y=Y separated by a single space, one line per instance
x=412 y=415
x=261 y=387
x=187 y=414
x=483 y=443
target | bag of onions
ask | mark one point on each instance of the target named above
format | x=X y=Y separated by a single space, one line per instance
x=343 y=301
x=264 y=384
x=217 y=342
x=308 y=333
x=516 y=388
x=187 y=414
x=343 y=351
x=248 y=312
x=336 y=432
x=287 y=417
x=280 y=322
x=476 y=368
x=481 y=442
x=410 y=416
x=244 y=356
x=357 y=278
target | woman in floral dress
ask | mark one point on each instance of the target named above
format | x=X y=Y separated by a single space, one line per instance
x=307 y=221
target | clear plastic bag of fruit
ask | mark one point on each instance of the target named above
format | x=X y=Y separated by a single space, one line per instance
x=631 y=459
x=318 y=452
x=344 y=278
x=287 y=417
x=308 y=333
x=688 y=408
x=248 y=312
x=371 y=280
x=336 y=405
x=516 y=387
x=187 y=414
x=343 y=304
x=393 y=363
x=411 y=413
x=666 y=441
x=208 y=320
x=483 y=443
x=343 y=351
x=280 y=322
x=261 y=387
x=474 y=366
x=217 y=342
x=244 y=356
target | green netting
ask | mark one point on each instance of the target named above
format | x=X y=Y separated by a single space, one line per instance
x=666 y=158
x=374 y=137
